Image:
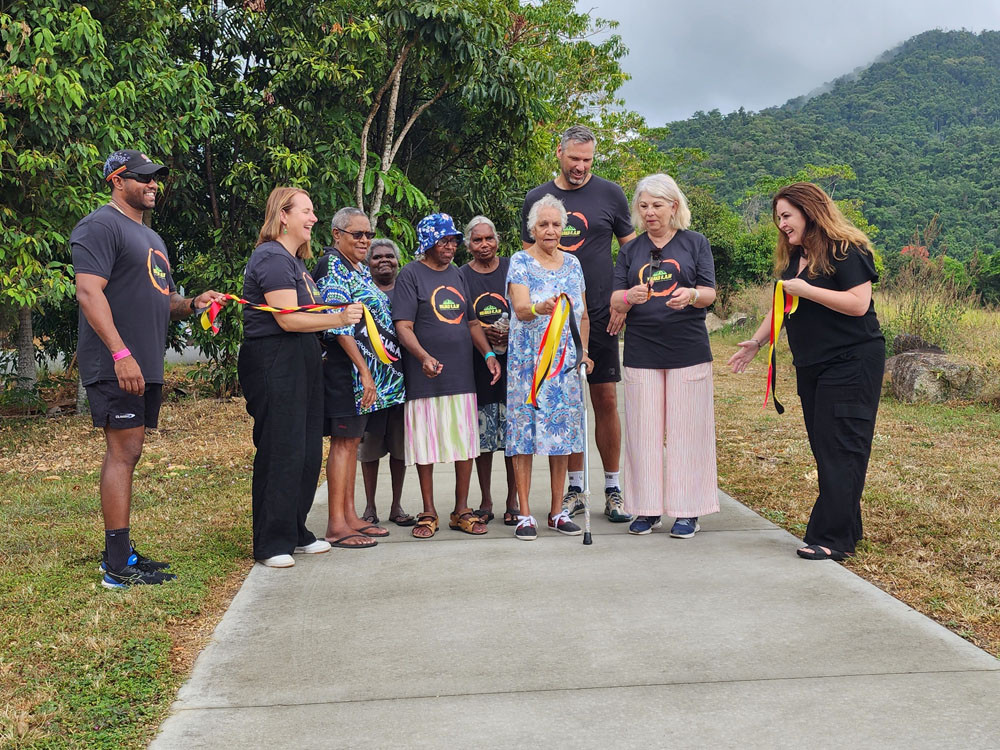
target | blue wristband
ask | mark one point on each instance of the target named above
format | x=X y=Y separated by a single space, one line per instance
x=488 y=355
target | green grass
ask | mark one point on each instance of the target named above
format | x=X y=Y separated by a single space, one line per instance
x=81 y=666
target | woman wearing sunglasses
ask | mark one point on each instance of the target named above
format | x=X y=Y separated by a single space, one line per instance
x=664 y=280
x=359 y=388
x=433 y=313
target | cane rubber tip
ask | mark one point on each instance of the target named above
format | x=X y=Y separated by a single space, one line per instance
x=587 y=539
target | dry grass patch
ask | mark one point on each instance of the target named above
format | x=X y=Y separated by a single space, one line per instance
x=81 y=666
x=931 y=511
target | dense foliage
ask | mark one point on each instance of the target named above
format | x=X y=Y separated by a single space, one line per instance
x=920 y=128
x=398 y=107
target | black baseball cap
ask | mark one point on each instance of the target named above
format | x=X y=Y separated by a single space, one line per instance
x=131 y=161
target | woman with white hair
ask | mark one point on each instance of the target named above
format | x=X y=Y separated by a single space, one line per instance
x=553 y=427
x=486 y=277
x=664 y=280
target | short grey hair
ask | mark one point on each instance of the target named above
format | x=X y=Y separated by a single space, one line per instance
x=661 y=186
x=578 y=134
x=343 y=217
x=475 y=222
x=382 y=242
x=546 y=201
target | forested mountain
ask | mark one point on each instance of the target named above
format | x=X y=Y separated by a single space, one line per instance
x=920 y=127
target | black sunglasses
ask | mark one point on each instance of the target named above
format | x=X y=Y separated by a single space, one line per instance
x=145 y=179
x=655 y=259
x=358 y=235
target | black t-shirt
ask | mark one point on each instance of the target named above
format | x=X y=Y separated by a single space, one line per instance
x=656 y=336
x=133 y=259
x=487 y=292
x=815 y=332
x=270 y=268
x=597 y=212
x=437 y=302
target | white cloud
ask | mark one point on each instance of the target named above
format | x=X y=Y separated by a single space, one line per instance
x=728 y=54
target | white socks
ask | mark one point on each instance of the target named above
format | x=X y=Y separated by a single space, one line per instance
x=611 y=480
x=575 y=479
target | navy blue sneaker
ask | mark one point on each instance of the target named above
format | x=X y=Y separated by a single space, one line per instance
x=137 y=560
x=133 y=576
x=644 y=525
x=685 y=528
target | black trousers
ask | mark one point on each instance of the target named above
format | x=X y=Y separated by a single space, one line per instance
x=282 y=380
x=839 y=402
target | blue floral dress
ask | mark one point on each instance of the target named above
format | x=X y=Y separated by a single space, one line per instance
x=345 y=284
x=555 y=428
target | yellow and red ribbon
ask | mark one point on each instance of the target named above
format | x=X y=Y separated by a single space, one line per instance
x=212 y=312
x=782 y=304
x=548 y=363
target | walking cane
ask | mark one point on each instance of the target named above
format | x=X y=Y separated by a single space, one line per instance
x=586 y=459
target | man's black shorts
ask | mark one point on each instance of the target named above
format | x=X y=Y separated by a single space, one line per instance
x=112 y=407
x=603 y=349
x=345 y=427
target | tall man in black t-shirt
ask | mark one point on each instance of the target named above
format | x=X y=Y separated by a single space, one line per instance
x=597 y=211
x=127 y=298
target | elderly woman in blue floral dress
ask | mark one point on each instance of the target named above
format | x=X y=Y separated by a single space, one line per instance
x=537 y=276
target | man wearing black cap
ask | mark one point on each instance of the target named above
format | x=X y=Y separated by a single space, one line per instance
x=127 y=298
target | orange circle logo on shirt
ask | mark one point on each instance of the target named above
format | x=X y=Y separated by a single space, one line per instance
x=571 y=232
x=158 y=275
x=663 y=280
x=448 y=310
x=314 y=295
x=489 y=304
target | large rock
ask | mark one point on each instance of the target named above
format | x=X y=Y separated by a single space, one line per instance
x=713 y=322
x=932 y=378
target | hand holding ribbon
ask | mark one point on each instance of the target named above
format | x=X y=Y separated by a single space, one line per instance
x=548 y=363
x=782 y=304
x=209 y=316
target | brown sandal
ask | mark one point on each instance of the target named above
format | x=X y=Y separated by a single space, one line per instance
x=467 y=522
x=425 y=521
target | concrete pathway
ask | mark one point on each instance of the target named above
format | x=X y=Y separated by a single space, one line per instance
x=724 y=640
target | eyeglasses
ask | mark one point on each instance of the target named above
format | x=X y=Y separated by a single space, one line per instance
x=452 y=240
x=145 y=179
x=357 y=235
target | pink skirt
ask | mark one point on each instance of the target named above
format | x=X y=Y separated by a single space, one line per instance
x=441 y=429
x=670 y=465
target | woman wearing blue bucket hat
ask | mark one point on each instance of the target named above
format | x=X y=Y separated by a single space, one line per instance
x=431 y=308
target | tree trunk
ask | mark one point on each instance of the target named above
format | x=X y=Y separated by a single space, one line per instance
x=27 y=375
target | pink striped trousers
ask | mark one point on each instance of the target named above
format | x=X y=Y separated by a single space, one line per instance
x=670 y=442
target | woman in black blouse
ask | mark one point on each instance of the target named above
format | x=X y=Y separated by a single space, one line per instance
x=838 y=351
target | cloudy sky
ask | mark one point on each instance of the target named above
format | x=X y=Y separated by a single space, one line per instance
x=689 y=55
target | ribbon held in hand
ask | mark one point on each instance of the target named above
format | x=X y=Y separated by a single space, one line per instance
x=212 y=311
x=547 y=363
x=782 y=304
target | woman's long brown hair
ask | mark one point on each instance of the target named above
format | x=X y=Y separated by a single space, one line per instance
x=280 y=200
x=828 y=233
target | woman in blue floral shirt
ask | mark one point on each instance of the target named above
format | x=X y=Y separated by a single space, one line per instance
x=360 y=388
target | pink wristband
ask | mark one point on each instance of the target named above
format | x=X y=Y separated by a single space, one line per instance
x=625 y=296
x=121 y=354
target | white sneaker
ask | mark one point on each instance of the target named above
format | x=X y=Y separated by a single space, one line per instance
x=278 y=561
x=316 y=548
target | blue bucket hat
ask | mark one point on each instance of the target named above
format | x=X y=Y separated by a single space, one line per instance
x=432 y=228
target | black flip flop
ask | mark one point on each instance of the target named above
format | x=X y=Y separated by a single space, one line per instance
x=510 y=517
x=373 y=526
x=404 y=519
x=815 y=552
x=340 y=542
x=484 y=515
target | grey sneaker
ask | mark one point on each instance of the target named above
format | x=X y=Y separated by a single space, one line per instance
x=572 y=501
x=614 y=506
